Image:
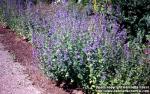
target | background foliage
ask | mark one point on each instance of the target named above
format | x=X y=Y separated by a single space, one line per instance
x=135 y=16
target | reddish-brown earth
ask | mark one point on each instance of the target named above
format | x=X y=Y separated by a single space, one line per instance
x=12 y=78
x=16 y=46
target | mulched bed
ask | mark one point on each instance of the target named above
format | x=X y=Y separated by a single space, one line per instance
x=23 y=54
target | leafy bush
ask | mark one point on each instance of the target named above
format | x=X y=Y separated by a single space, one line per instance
x=135 y=17
x=131 y=14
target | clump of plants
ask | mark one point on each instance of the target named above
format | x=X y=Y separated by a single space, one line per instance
x=91 y=52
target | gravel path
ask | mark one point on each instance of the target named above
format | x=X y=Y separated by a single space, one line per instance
x=12 y=78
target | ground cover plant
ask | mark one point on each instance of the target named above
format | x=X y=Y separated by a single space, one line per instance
x=79 y=50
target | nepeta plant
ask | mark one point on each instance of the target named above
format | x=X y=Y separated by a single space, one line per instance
x=86 y=51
